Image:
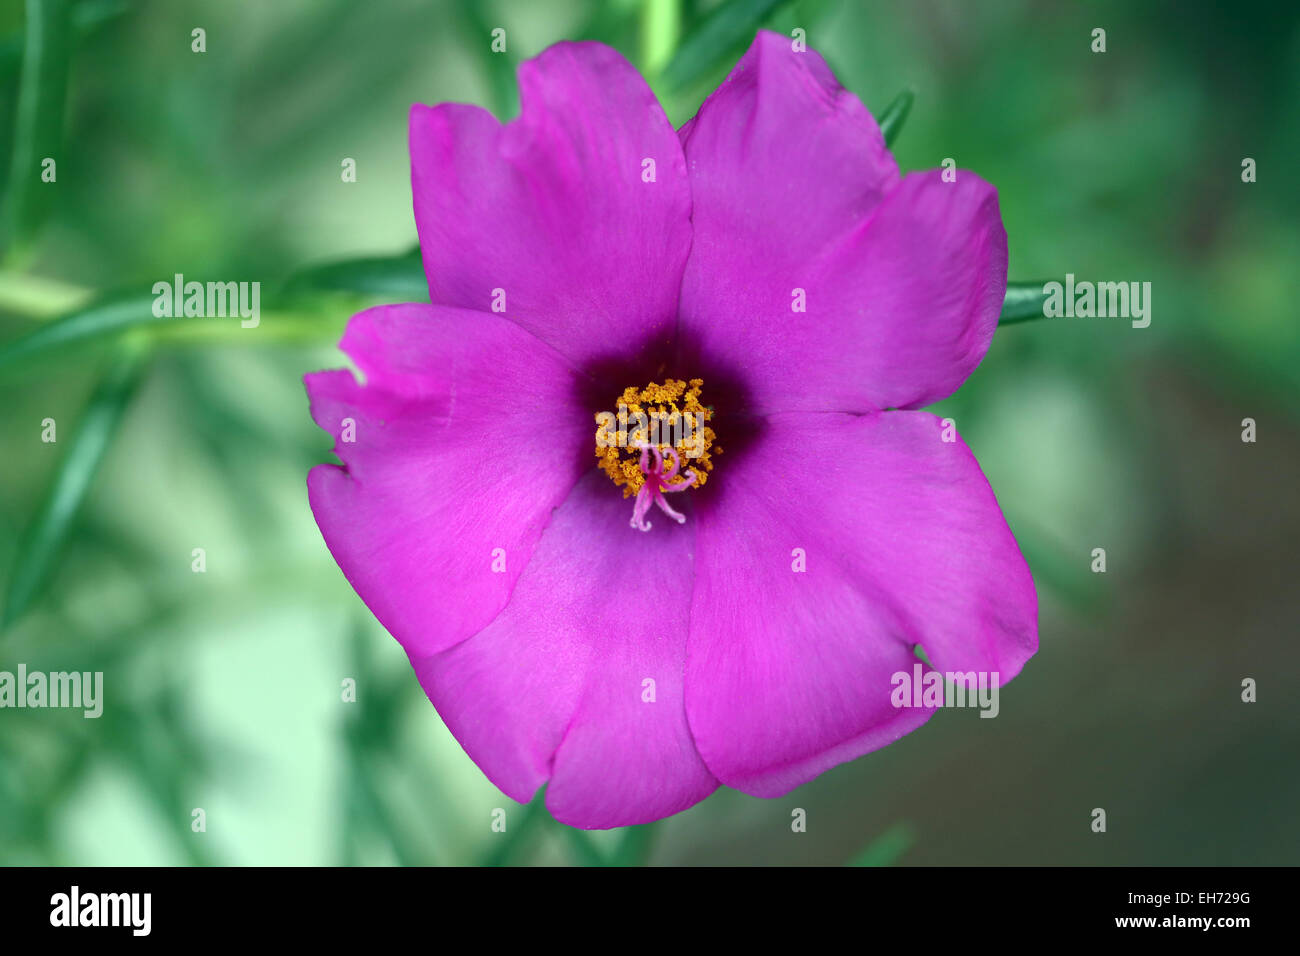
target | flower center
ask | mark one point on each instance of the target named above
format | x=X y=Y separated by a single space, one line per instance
x=652 y=426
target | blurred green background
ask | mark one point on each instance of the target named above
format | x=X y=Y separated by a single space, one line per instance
x=223 y=688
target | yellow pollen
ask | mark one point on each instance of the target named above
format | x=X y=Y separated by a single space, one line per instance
x=667 y=416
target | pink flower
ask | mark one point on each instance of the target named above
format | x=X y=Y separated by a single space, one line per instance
x=832 y=527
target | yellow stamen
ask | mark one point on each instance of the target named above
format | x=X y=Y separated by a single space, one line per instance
x=663 y=416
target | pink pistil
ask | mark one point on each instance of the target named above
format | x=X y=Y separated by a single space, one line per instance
x=657 y=485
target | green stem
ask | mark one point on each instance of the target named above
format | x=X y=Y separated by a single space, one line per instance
x=1023 y=302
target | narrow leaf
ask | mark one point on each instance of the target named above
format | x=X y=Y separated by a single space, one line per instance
x=581 y=846
x=114 y=315
x=895 y=115
x=102 y=317
x=520 y=835
x=399 y=278
x=635 y=846
x=41 y=543
x=499 y=66
x=42 y=93
x=87 y=16
x=721 y=33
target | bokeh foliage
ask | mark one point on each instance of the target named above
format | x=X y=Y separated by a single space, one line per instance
x=223 y=688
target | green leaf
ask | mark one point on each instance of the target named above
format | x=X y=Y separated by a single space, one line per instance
x=895 y=115
x=728 y=28
x=499 y=67
x=87 y=17
x=635 y=846
x=42 y=95
x=39 y=547
x=887 y=848
x=400 y=278
x=1024 y=301
x=581 y=846
x=118 y=314
x=102 y=317
x=614 y=24
x=520 y=835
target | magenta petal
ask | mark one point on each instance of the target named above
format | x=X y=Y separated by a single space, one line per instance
x=556 y=688
x=789 y=673
x=798 y=202
x=553 y=208
x=454 y=467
